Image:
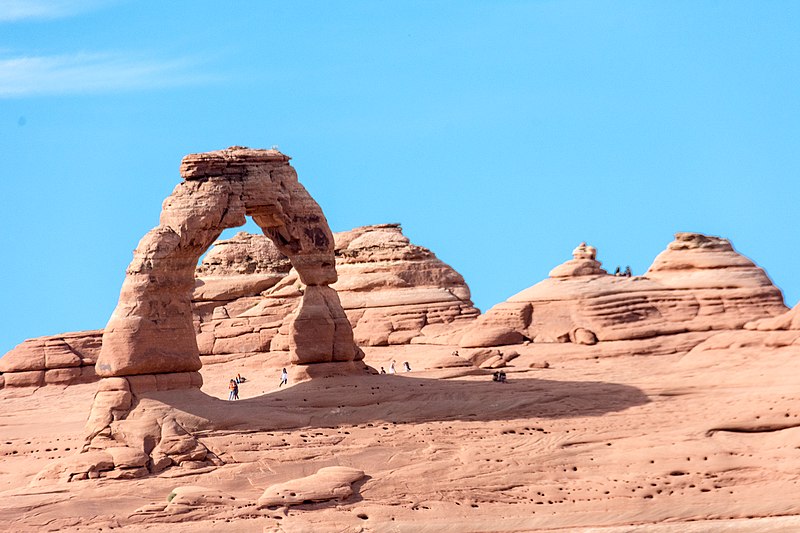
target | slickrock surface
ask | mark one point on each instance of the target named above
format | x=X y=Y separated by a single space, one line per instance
x=668 y=444
x=699 y=283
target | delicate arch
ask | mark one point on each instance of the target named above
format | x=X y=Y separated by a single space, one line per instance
x=151 y=330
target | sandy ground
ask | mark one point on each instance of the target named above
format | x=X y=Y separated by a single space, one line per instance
x=611 y=443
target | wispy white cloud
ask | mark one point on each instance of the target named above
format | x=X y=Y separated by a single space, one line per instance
x=14 y=10
x=92 y=73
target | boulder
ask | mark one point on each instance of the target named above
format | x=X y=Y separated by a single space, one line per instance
x=330 y=483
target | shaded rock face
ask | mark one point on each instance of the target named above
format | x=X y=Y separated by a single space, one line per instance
x=392 y=292
x=152 y=329
x=698 y=283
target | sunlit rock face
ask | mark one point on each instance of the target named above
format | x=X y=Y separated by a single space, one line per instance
x=698 y=283
x=392 y=292
x=152 y=329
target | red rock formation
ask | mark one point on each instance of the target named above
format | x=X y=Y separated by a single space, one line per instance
x=152 y=329
x=393 y=292
x=149 y=345
x=58 y=359
x=698 y=283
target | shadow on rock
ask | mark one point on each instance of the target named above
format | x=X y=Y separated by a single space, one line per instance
x=331 y=402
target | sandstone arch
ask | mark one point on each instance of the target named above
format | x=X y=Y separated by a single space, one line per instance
x=151 y=330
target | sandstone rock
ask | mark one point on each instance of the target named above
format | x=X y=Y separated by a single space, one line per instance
x=789 y=321
x=55 y=351
x=58 y=354
x=243 y=255
x=330 y=483
x=481 y=355
x=699 y=283
x=178 y=444
x=152 y=329
x=125 y=473
x=125 y=457
x=108 y=405
x=88 y=374
x=62 y=376
x=320 y=331
x=113 y=384
x=490 y=336
x=26 y=356
x=31 y=378
x=449 y=361
x=75 y=467
x=196 y=496
x=583 y=263
x=582 y=336
x=392 y=292
x=139 y=434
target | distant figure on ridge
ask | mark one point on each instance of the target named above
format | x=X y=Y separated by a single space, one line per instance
x=617 y=272
x=234 y=390
x=284 y=378
x=628 y=271
x=383 y=370
x=391 y=368
x=406 y=366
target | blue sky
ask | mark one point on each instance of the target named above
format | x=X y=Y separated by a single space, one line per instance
x=499 y=133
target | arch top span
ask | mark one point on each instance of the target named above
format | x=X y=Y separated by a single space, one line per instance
x=151 y=330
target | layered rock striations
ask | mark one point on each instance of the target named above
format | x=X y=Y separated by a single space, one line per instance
x=152 y=329
x=392 y=291
x=698 y=283
x=58 y=359
x=149 y=346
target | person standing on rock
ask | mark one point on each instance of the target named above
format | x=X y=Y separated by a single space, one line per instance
x=234 y=390
x=406 y=366
x=391 y=368
x=284 y=378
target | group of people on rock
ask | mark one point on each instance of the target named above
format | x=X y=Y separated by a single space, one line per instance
x=233 y=385
x=499 y=376
x=625 y=274
x=406 y=368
